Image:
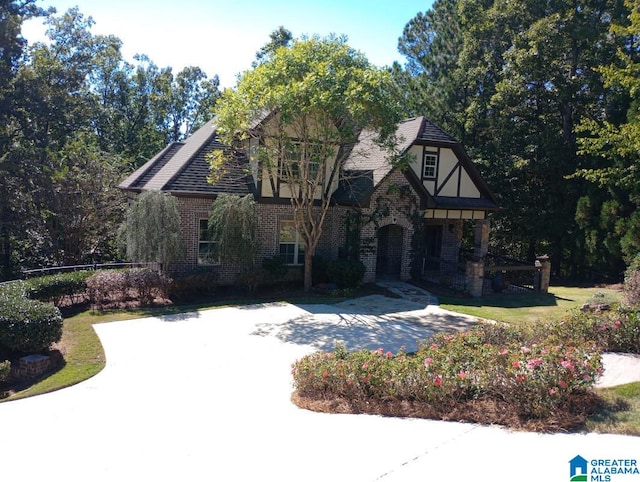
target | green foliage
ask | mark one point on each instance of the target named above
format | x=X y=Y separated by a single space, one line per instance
x=310 y=99
x=275 y=268
x=319 y=272
x=152 y=229
x=233 y=224
x=27 y=325
x=632 y=283
x=191 y=285
x=616 y=330
x=346 y=273
x=75 y=117
x=513 y=80
x=533 y=379
x=55 y=288
x=5 y=370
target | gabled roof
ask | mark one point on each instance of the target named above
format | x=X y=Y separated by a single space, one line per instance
x=182 y=168
x=367 y=156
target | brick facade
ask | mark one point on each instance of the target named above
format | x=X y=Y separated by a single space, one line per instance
x=390 y=205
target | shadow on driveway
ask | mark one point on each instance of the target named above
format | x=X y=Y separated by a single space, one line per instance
x=365 y=323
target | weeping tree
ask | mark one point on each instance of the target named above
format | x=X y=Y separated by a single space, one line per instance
x=233 y=225
x=152 y=229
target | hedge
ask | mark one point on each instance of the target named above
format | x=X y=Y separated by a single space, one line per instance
x=27 y=325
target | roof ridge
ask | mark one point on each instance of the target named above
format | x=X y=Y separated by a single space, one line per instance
x=181 y=158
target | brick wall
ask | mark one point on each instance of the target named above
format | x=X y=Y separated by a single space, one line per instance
x=333 y=236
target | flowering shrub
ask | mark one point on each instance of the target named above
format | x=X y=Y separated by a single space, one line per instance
x=615 y=330
x=488 y=363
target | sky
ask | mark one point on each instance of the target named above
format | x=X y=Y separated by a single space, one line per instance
x=223 y=36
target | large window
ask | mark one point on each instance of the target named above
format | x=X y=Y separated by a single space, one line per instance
x=430 y=165
x=207 y=248
x=291 y=249
x=298 y=157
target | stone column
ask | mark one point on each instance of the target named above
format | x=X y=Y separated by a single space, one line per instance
x=475 y=278
x=481 y=240
x=544 y=263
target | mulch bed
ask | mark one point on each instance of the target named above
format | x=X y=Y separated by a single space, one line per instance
x=483 y=411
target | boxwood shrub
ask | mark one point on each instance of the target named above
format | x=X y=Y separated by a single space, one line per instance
x=55 y=288
x=345 y=274
x=27 y=325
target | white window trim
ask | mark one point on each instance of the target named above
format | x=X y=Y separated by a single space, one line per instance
x=313 y=166
x=201 y=241
x=296 y=244
x=432 y=166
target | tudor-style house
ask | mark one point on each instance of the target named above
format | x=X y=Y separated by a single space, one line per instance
x=431 y=195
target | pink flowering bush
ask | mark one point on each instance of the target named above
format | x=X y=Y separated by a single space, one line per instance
x=617 y=330
x=490 y=363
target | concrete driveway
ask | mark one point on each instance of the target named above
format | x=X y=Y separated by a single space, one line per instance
x=206 y=397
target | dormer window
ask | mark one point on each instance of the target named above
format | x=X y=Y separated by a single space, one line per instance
x=430 y=165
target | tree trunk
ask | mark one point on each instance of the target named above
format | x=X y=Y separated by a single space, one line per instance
x=308 y=259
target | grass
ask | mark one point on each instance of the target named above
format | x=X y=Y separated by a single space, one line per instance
x=621 y=413
x=526 y=307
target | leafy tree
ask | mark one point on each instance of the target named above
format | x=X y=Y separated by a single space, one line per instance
x=320 y=93
x=12 y=190
x=513 y=84
x=431 y=79
x=152 y=229
x=233 y=224
x=278 y=38
x=611 y=215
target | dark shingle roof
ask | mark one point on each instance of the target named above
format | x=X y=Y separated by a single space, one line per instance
x=182 y=167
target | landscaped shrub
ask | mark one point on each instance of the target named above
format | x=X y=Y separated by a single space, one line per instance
x=345 y=274
x=5 y=370
x=139 y=284
x=148 y=284
x=275 y=269
x=632 y=283
x=450 y=370
x=617 y=329
x=201 y=282
x=55 y=288
x=319 y=270
x=27 y=325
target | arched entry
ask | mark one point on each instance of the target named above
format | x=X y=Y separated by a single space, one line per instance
x=389 y=257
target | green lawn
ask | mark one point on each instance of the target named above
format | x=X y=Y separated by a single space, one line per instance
x=526 y=307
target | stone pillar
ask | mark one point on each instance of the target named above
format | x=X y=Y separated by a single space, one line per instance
x=475 y=278
x=544 y=264
x=481 y=240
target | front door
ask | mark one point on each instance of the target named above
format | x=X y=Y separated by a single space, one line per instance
x=389 y=259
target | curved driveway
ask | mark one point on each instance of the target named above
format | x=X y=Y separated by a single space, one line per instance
x=205 y=397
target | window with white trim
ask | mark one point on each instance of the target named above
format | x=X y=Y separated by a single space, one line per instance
x=291 y=247
x=298 y=157
x=208 y=253
x=430 y=165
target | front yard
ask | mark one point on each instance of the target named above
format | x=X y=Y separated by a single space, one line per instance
x=84 y=356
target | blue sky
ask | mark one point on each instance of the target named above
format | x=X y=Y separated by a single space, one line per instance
x=222 y=36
